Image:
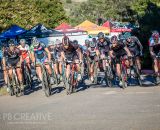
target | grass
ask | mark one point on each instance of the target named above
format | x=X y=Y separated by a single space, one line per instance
x=3 y=91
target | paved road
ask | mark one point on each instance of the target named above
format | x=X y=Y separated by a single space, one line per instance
x=95 y=108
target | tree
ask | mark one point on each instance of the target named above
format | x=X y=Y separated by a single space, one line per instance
x=27 y=13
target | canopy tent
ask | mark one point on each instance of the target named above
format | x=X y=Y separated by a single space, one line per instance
x=41 y=31
x=68 y=29
x=12 y=32
x=107 y=24
x=92 y=28
x=115 y=28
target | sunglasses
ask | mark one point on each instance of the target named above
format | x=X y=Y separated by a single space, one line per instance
x=11 y=44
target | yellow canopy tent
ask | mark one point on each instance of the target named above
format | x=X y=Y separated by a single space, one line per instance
x=92 y=28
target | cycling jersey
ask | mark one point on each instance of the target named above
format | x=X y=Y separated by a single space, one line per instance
x=70 y=52
x=156 y=46
x=118 y=51
x=40 y=53
x=134 y=45
x=103 y=47
x=24 y=51
x=12 y=57
x=55 y=53
x=92 y=51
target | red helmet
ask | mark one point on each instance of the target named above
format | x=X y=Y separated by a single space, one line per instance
x=65 y=40
x=155 y=35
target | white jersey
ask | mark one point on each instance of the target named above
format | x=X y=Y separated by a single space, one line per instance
x=26 y=48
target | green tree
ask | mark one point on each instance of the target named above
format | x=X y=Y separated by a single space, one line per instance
x=27 y=13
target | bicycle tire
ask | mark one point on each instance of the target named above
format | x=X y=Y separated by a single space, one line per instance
x=123 y=77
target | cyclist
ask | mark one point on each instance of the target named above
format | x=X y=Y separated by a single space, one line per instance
x=154 y=47
x=41 y=55
x=25 y=53
x=71 y=52
x=135 y=47
x=103 y=45
x=118 y=50
x=12 y=58
x=54 y=58
x=93 y=55
x=87 y=43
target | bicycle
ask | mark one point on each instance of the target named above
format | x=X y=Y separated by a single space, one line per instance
x=72 y=82
x=123 y=72
x=27 y=75
x=158 y=58
x=108 y=71
x=13 y=83
x=136 y=70
x=45 y=80
x=95 y=74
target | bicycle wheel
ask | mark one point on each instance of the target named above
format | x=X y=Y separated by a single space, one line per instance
x=138 y=75
x=123 y=77
x=109 y=76
x=45 y=83
x=27 y=78
x=10 y=86
x=95 y=74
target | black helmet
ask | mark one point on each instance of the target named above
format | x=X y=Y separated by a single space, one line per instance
x=87 y=41
x=94 y=40
x=114 y=38
x=92 y=44
x=11 y=42
x=65 y=40
x=100 y=35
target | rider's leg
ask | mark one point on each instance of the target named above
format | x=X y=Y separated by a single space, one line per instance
x=49 y=69
x=56 y=68
x=5 y=74
x=39 y=72
x=28 y=65
x=19 y=74
x=156 y=67
x=92 y=71
x=138 y=61
x=68 y=71
x=118 y=69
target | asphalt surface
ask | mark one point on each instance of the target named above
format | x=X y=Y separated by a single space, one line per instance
x=94 y=108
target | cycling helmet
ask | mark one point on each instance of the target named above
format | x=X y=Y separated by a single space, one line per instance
x=22 y=41
x=65 y=41
x=87 y=42
x=51 y=43
x=75 y=42
x=100 y=35
x=155 y=34
x=11 y=42
x=92 y=44
x=35 y=42
x=57 y=42
x=94 y=40
x=127 y=35
x=114 y=38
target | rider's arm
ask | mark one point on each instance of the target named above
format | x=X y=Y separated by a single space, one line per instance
x=151 y=51
x=80 y=54
x=48 y=53
x=111 y=54
x=127 y=50
x=4 y=62
x=139 y=44
x=97 y=52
